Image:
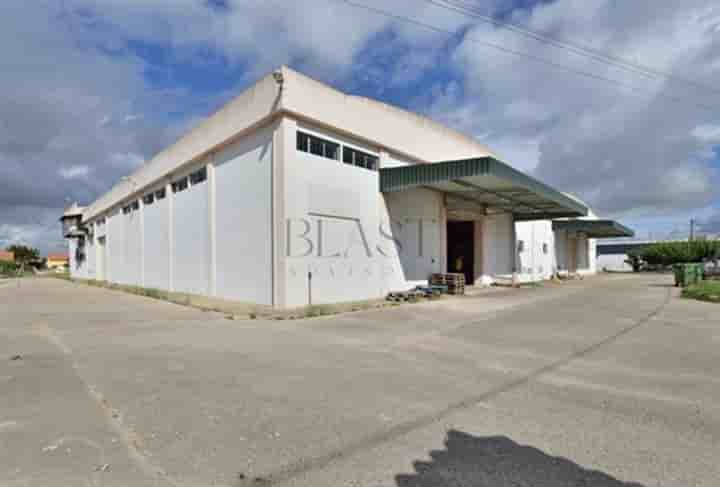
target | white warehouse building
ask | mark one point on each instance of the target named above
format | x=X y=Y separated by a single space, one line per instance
x=295 y=193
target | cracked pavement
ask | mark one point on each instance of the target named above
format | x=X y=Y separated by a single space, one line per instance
x=611 y=381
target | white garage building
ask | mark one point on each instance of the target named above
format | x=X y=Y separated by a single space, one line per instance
x=296 y=193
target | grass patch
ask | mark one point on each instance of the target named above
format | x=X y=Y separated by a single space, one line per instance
x=704 y=291
x=316 y=311
x=237 y=310
x=65 y=276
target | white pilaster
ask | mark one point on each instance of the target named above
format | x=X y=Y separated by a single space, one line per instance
x=213 y=225
x=283 y=149
x=171 y=235
x=142 y=239
x=514 y=250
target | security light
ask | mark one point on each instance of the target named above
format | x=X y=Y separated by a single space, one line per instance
x=279 y=78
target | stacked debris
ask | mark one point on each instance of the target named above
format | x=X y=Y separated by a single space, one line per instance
x=420 y=292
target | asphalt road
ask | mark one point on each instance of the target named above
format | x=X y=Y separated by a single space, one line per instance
x=609 y=382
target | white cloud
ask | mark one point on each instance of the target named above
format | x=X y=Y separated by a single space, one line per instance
x=621 y=150
x=707 y=133
x=59 y=93
x=74 y=172
x=126 y=160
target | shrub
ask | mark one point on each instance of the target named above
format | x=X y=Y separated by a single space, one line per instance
x=9 y=268
x=668 y=253
x=704 y=291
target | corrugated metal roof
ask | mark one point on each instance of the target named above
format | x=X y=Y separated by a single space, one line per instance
x=488 y=184
x=595 y=228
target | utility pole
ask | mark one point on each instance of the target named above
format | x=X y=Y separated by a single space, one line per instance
x=692 y=229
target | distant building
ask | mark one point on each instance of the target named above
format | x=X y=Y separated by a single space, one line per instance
x=7 y=256
x=57 y=261
x=612 y=255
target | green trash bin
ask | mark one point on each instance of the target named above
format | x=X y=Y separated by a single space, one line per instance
x=697 y=273
x=679 y=271
x=687 y=274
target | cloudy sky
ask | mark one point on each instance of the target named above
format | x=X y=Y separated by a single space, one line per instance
x=91 y=88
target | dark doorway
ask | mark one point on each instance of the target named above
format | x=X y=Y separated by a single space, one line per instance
x=461 y=249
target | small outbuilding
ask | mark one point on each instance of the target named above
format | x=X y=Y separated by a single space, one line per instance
x=57 y=261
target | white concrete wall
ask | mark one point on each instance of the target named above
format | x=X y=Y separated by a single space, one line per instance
x=562 y=255
x=356 y=243
x=114 y=230
x=592 y=256
x=100 y=251
x=583 y=262
x=126 y=248
x=101 y=258
x=332 y=212
x=191 y=240
x=536 y=262
x=497 y=247
x=133 y=247
x=418 y=225
x=613 y=262
x=90 y=258
x=587 y=256
x=168 y=244
x=243 y=208
x=586 y=263
x=156 y=235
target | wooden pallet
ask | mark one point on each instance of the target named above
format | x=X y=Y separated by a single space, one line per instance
x=454 y=282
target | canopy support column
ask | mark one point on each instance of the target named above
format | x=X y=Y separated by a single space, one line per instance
x=514 y=242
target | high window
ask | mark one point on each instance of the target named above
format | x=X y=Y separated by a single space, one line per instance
x=149 y=199
x=360 y=159
x=198 y=176
x=317 y=146
x=160 y=194
x=134 y=206
x=180 y=185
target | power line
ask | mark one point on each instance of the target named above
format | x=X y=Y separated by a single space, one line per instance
x=514 y=52
x=576 y=48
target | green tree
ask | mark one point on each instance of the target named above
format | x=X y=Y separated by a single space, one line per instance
x=23 y=253
x=668 y=253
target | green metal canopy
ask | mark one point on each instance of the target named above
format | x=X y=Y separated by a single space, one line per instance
x=484 y=184
x=595 y=228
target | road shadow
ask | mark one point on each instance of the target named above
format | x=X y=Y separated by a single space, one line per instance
x=497 y=461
